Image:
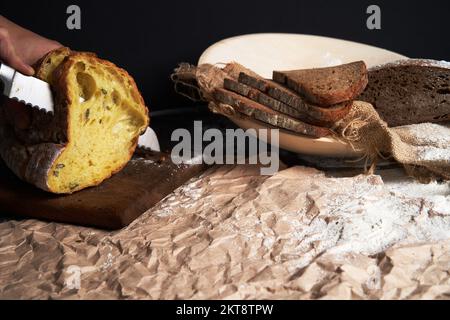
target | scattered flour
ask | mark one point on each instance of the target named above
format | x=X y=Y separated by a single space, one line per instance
x=434 y=154
x=360 y=215
x=142 y=160
x=300 y=213
x=437 y=135
x=184 y=197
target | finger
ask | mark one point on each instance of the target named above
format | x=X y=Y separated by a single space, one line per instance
x=9 y=55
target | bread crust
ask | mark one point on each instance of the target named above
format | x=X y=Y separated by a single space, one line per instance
x=413 y=62
x=46 y=60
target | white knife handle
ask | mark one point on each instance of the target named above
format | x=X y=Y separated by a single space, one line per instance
x=6 y=76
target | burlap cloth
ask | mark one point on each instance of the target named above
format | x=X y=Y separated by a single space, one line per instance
x=423 y=149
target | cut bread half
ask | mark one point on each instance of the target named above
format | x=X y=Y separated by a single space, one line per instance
x=99 y=115
x=262 y=113
x=410 y=91
x=326 y=86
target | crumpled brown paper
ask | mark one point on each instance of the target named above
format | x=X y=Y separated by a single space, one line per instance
x=233 y=234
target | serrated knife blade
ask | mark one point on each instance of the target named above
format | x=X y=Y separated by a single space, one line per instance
x=149 y=140
x=28 y=90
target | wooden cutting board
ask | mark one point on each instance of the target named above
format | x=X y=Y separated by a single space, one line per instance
x=114 y=204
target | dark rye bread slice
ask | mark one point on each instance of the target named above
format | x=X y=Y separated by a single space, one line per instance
x=318 y=115
x=326 y=86
x=262 y=113
x=410 y=91
x=258 y=96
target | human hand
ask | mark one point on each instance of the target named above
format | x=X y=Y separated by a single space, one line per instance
x=21 y=48
x=9 y=55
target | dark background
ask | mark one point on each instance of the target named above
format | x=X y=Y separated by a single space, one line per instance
x=149 y=38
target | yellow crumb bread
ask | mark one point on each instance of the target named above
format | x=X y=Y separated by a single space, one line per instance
x=99 y=115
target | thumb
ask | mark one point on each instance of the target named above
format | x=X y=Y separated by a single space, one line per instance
x=9 y=56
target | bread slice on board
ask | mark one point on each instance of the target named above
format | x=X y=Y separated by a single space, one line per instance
x=313 y=114
x=99 y=115
x=410 y=91
x=326 y=86
x=262 y=113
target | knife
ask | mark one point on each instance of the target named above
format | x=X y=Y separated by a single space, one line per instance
x=149 y=140
x=28 y=90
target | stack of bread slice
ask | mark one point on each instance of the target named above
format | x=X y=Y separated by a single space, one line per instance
x=308 y=101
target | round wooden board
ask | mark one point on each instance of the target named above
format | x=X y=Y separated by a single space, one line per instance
x=265 y=52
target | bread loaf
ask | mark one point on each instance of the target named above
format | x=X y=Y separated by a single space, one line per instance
x=410 y=91
x=99 y=115
x=326 y=86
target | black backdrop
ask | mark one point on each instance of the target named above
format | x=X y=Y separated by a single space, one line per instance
x=149 y=38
